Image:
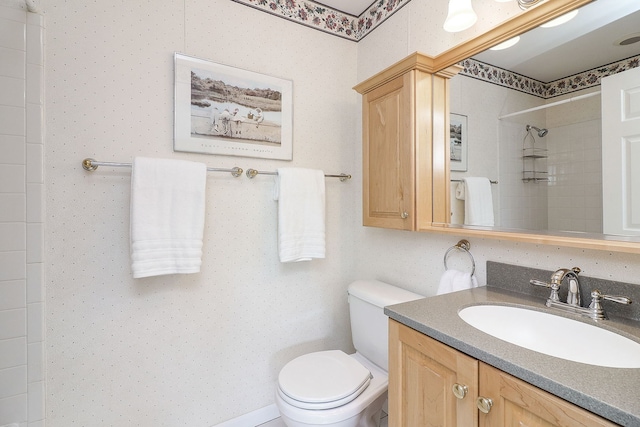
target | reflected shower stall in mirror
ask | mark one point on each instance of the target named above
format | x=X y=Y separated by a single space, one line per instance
x=550 y=80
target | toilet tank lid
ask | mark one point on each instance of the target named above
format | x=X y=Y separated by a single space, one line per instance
x=380 y=294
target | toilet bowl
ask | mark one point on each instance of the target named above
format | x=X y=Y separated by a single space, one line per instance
x=361 y=410
x=334 y=389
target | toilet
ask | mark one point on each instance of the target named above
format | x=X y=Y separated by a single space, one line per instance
x=332 y=388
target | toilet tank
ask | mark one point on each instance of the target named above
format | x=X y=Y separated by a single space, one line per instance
x=369 y=324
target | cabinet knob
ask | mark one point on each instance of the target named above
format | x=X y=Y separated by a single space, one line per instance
x=460 y=390
x=404 y=215
x=484 y=404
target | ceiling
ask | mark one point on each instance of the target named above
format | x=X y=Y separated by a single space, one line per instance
x=582 y=44
x=352 y=7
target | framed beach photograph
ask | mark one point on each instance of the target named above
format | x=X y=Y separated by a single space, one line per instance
x=230 y=111
x=458 y=142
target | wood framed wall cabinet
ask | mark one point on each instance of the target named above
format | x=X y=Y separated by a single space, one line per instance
x=400 y=122
x=431 y=383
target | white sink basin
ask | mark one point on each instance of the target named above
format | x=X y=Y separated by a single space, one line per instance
x=554 y=335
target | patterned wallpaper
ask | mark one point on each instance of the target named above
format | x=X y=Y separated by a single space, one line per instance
x=576 y=82
x=323 y=18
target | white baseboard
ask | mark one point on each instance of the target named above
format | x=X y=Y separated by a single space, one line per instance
x=252 y=419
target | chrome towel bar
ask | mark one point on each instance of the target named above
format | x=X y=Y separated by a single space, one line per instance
x=251 y=173
x=91 y=164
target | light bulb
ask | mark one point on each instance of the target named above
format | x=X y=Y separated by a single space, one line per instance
x=561 y=19
x=506 y=44
x=460 y=17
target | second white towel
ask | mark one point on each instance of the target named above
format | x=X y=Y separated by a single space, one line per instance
x=301 y=214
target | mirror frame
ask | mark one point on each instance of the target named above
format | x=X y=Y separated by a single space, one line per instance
x=519 y=24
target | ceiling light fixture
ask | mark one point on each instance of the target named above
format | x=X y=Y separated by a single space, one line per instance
x=628 y=39
x=560 y=19
x=460 y=17
x=526 y=4
x=506 y=44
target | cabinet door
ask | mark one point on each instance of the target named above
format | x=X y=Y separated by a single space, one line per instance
x=422 y=374
x=388 y=152
x=517 y=403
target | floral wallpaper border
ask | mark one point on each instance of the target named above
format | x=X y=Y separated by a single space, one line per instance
x=576 y=82
x=324 y=18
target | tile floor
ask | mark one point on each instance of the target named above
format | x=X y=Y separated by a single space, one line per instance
x=278 y=422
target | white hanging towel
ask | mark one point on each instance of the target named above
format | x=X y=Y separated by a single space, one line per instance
x=301 y=214
x=454 y=280
x=167 y=216
x=478 y=202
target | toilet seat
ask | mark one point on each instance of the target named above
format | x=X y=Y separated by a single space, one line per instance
x=322 y=380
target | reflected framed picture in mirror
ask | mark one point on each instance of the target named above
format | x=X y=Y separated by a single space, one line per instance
x=458 y=142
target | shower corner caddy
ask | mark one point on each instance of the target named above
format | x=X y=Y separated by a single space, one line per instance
x=530 y=164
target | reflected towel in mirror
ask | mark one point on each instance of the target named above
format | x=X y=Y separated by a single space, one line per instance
x=478 y=202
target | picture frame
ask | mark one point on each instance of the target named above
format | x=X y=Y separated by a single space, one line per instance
x=458 y=142
x=219 y=109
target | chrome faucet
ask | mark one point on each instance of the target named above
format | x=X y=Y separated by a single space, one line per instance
x=573 y=297
x=573 y=304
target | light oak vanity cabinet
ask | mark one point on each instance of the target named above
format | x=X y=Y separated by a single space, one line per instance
x=431 y=384
x=400 y=163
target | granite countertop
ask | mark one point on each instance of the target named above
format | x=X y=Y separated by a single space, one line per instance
x=611 y=393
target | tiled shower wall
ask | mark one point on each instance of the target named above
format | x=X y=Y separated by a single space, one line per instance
x=21 y=219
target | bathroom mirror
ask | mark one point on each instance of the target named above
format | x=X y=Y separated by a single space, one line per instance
x=545 y=83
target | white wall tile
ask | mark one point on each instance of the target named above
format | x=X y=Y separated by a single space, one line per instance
x=12 y=14
x=13 y=381
x=14 y=236
x=19 y=363
x=13 y=35
x=35 y=45
x=13 y=265
x=35 y=322
x=12 y=63
x=35 y=282
x=13 y=149
x=13 y=409
x=13 y=352
x=35 y=242
x=35 y=203
x=12 y=92
x=12 y=120
x=13 y=292
x=34 y=116
x=14 y=323
x=12 y=207
x=36 y=19
x=36 y=401
x=35 y=163
x=34 y=83
x=35 y=362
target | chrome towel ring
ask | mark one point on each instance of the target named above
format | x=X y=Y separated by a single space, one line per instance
x=464 y=246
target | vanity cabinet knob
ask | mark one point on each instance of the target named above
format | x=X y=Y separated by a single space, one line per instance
x=484 y=404
x=460 y=390
x=404 y=215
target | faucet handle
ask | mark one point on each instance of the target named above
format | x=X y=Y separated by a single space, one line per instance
x=553 y=285
x=598 y=296
x=596 y=306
